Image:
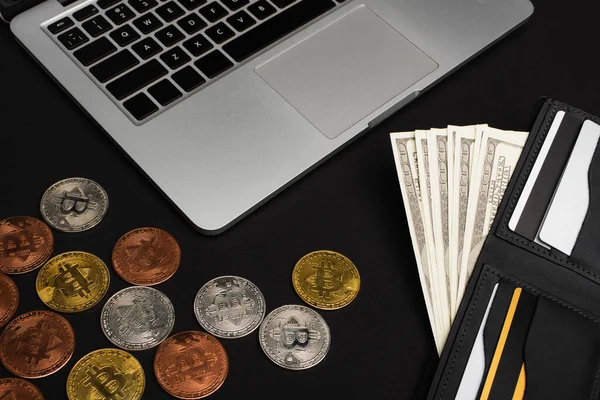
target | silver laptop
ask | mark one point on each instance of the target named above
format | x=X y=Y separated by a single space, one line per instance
x=223 y=103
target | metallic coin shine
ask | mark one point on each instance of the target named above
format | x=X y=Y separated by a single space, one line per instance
x=25 y=244
x=9 y=299
x=191 y=365
x=19 y=389
x=109 y=374
x=36 y=344
x=73 y=282
x=295 y=337
x=326 y=280
x=146 y=256
x=229 y=306
x=137 y=318
x=74 y=205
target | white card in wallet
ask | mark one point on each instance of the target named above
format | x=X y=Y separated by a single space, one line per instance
x=570 y=203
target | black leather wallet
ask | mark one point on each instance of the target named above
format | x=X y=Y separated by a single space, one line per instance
x=562 y=349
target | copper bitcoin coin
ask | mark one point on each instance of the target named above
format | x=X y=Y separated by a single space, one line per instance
x=9 y=299
x=36 y=344
x=191 y=365
x=19 y=389
x=25 y=244
x=146 y=256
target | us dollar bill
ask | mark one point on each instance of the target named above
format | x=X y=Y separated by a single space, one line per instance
x=405 y=157
x=499 y=153
x=438 y=170
x=442 y=312
x=464 y=148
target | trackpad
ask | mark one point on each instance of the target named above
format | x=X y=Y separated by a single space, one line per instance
x=346 y=71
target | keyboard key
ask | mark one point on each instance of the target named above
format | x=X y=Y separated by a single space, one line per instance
x=219 y=33
x=261 y=9
x=147 y=23
x=188 y=79
x=169 y=35
x=175 y=57
x=241 y=21
x=164 y=92
x=147 y=48
x=197 y=45
x=120 y=14
x=142 y=5
x=95 y=51
x=235 y=4
x=275 y=28
x=192 y=4
x=114 y=65
x=213 y=64
x=73 y=38
x=140 y=106
x=60 y=25
x=97 y=26
x=104 y=4
x=136 y=79
x=170 y=11
x=213 y=12
x=282 y=3
x=85 y=12
x=124 y=35
x=191 y=24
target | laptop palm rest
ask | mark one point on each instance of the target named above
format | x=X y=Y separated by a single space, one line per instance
x=347 y=70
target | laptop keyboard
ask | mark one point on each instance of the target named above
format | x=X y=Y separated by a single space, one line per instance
x=147 y=55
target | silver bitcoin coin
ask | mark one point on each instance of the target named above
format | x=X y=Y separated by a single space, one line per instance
x=229 y=307
x=137 y=318
x=295 y=337
x=74 y=204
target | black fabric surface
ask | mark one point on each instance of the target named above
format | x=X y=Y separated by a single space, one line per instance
x=381 y=343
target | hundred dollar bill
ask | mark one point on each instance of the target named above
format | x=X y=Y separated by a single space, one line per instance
x=438 y=170
x=499 y=153
x=405 y=156
x=436 y=269
x=463 y=149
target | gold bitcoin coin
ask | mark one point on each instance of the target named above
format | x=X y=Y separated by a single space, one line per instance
x=326 y=280
x=73 y=281
x=106 y=374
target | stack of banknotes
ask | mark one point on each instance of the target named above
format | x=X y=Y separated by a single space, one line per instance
x=452 y=181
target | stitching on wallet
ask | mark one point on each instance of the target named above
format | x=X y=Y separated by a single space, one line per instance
x=500 y=275
x=464 y=332
x=519 y=189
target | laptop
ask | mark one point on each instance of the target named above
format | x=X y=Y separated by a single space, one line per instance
x=224 y=103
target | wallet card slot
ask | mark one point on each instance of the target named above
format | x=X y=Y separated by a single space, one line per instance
x=562 y=352
x=584 y=258
x=586 y=251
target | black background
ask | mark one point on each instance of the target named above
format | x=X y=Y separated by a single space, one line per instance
x=381 y=343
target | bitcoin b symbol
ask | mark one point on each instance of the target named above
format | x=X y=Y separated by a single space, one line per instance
x=74 y=201
x=106 y=381
x=35 y=343
x=326 y=279
x=191 y=364
x=71 y=282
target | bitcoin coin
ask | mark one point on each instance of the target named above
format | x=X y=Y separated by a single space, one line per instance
x=72 y=282
x=137 y=318
x=229 y=307
x=109 y=374
x=191 y=365
x=146 y=256
x=25 y=244
x=326 y=280
x=74 y=205
x=9 y=299
x=294 y=337
x=36 y=344
x=19 y=389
